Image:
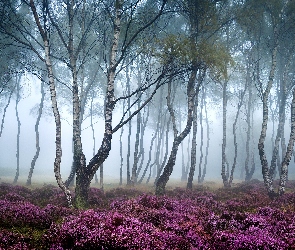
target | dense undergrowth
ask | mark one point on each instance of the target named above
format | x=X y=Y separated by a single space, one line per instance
x=241 y=217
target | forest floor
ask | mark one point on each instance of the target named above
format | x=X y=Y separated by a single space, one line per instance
x=121 y=217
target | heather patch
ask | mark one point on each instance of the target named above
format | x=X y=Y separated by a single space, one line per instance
x=241 y=217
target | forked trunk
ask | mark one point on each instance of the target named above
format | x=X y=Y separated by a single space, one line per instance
x=266 y=172
x=86 y=174
x=288 y=155
x=191 y=93
x=29 y=180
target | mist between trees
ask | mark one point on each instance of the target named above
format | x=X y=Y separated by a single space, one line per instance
x=144 y=91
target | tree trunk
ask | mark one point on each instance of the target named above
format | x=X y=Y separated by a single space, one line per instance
x=194 y=139
x=224 y=109
x=191 y=94
x=188 y=157
x=208 y=139
x=249 y=172
x=18 y=127
x=93 y=132
x=280 y=129
x=159 y=170
x=129 y=128
x=136 y=153
x=58 y=150
x=175 y=132
x=150 y=157
x=202 y=138
x=265 y=170
x=121 y=157
x=101 y=177
x=159 y=134
x=193 y=147
x=85 y=176
x=155 y=136
x=29 y=180
x=143 y=127
x=4 y=111
x=288 y=155
x=183 y=168
x=79 y=161
x=241 y=100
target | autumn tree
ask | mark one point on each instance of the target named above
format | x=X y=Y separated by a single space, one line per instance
x=269 y=24
x=197 y=51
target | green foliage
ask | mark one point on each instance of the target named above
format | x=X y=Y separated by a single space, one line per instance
x=80 y=202
x=216 y=57
x=259 y=15
x=177 y=49
x=182 y=50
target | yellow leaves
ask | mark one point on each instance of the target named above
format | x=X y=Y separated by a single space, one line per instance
x=183 y=51
x=216 y=58
x=175 y=48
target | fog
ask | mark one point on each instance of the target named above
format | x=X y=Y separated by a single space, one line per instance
x=44 y=165
x=43 y=171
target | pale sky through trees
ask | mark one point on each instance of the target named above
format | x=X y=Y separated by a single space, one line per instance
x=112 y=57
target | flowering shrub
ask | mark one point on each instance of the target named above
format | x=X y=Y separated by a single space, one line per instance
x=241 y=217
x=122 y=193
x=267 y=229
x=48 y=194
x=10 y=241
x=25 y=214
x=97 y=198
x=6 y=188
x=22 y=214
x=111 y=230
x=158 y=223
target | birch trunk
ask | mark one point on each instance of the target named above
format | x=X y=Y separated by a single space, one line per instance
x=29 y=180
x=202 y=139
x=264 y=163
x=143 y=127
x=129 y=128
x=149 y=159
x=208 y=139
x=103 y=152
x=288 y=155
x=93 y=132
x=249 y=172
x=266 y=172
x=194 y=139
x=191 y=94
x=235 y=137
x=280 y=129
x=18 y=128
x=58 y=149
x=164 y=157
x=121 y=156
x=223 y=162
x=193 y=147
x=4 y=111
x=136 y=150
